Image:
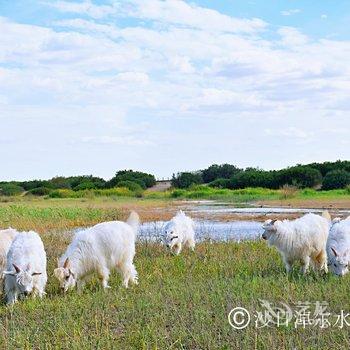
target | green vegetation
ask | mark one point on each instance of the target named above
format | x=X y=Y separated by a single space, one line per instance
x=181 y=303
x=336 y=179
x=10 y=189
x=129 y=182
x=300 y=176
x=250 y=195
x=142 y=179
x=186 y=179
x=215 y=182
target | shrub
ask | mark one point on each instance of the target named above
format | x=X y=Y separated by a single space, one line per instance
x=252 y=178
x=39 y=191
x=178 y=193
x=86 y=185
x=62 y=193
x=336 y=179
x=143 y=179
x=186 y=179
x=131 y=185
x=288 y=191
x=214 y=172
x=29 y=185
x=10 y=189
x=299 y=176
x=220 y=183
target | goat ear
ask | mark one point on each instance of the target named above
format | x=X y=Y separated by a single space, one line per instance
x=36 y=273
x=334 y=251
x=10 y=273
x=16 y=268
x=66 y=263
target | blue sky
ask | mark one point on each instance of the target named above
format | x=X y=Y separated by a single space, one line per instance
x=90 y=87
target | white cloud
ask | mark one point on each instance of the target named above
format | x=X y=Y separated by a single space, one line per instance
x=292 y=37
x=324 y=16
x=186 y=70
x=83 y=8
x=290 y=12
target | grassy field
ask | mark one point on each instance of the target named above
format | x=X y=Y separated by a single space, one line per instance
x=181 y=302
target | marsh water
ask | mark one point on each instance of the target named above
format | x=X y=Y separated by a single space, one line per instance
x=209 y=230
x=210 y=227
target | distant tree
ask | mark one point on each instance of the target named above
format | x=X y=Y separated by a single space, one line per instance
x=60 y=182
x=223 y=171
x=220 y=183
x=252 y=178
x=86 y=182
x=132 y=186
x=29 y=185
x=10 y=189
x=299 y=176
x=186 y=179
x=39 y=191
x=143 y=179
x=336 y=179
x=326 y=167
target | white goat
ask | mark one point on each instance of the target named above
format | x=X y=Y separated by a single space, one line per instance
x=6 y=238
x=179 y=231
x=101 y=248
x=303 y=240
x=338 y=246
x=26 y=267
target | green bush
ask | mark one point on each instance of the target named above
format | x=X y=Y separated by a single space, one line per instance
x=131 y=185
x=86 y=185
x=143 y=179
x=252 y=178
x=336 y=179
x=220 y=183
x=39 y=191
x=186 y=179
x=10 y=189
x=299 y=176
x=215 y=172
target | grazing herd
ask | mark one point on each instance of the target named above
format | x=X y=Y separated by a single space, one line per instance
x=311 y=240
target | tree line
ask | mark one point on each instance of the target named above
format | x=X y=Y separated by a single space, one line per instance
x=135 y=181
x=326 y=176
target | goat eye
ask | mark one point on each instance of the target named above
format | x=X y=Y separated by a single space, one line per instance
x=67 y=278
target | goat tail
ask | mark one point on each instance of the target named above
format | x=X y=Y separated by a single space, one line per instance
x=134 y=221
x=326 y=215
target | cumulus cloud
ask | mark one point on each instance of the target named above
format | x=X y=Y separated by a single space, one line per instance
x=181 y=67
x=85 y=8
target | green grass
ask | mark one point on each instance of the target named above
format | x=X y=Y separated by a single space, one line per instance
x=248 y=194
x=181 y=303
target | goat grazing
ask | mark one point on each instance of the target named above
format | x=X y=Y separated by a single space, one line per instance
x=303 y=240
x=101 y=248
x=6 y=238
x=338 y=246
x=26 y=267
x=179 y=232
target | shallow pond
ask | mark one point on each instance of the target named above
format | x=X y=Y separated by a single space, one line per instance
x=208 y=230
